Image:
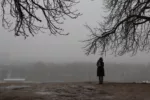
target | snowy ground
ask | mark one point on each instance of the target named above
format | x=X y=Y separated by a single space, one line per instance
x=74 y=91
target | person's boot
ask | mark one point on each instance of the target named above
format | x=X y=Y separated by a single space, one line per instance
x=101 y=82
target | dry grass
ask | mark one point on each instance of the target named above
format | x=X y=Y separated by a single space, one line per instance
x=75 y=91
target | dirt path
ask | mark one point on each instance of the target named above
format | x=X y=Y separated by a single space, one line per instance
x=74 y=91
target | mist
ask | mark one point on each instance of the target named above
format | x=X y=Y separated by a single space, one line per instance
x=59 y=49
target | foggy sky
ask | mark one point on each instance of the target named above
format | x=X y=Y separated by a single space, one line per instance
x=58 y=48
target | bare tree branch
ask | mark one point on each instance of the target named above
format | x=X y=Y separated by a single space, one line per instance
x=25 y=16
x=126 y=29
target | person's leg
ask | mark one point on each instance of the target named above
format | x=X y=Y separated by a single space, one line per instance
x=101 y=79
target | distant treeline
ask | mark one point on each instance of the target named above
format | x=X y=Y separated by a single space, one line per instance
x=73 y=72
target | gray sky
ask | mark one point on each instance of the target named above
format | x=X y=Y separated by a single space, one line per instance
x=43 y=47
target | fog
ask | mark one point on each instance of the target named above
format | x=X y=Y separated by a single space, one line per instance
x=61 y=49
x=74 y=72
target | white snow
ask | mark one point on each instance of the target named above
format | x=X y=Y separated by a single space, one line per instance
x=11 y=87
x=44 y=93
x=15 y=79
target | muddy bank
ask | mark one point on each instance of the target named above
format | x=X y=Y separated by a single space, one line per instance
x=74 y=91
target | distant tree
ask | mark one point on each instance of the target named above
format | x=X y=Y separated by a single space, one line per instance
x=25 y=16
x=126 y=29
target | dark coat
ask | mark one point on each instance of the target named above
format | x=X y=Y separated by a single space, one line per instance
x=100 y=69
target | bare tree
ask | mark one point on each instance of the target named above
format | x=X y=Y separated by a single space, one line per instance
x=25 y=16
x=126 y=29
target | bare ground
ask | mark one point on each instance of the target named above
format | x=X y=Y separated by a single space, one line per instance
x=74 y=91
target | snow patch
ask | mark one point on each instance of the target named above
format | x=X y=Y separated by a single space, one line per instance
x=44 y=93
x=13 y=87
